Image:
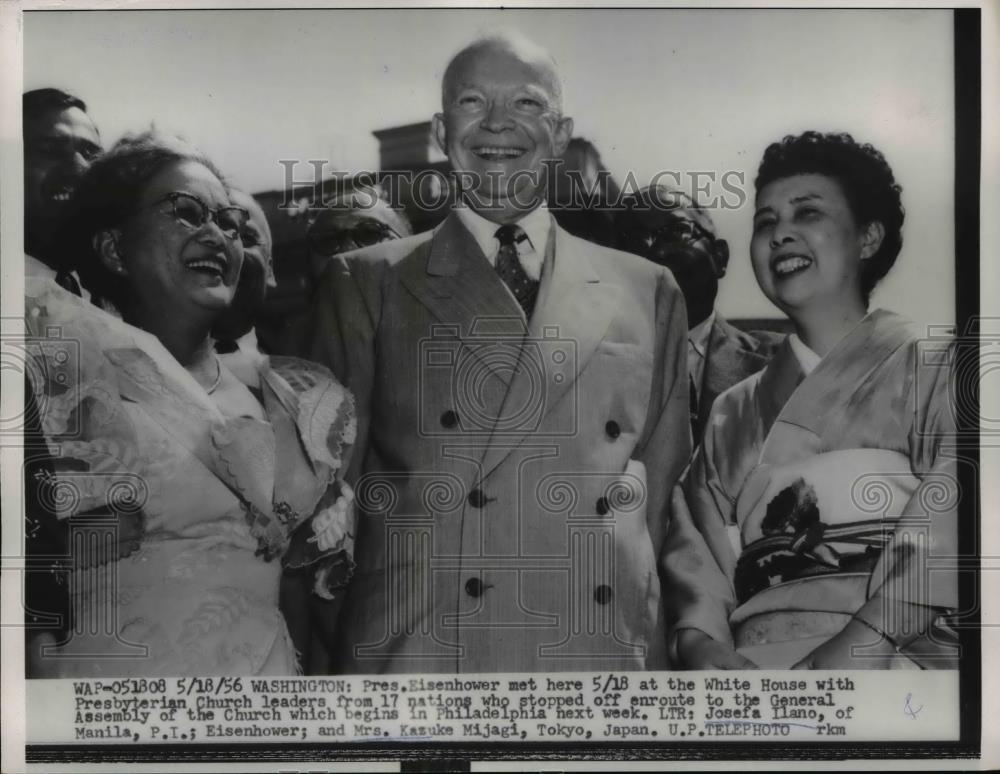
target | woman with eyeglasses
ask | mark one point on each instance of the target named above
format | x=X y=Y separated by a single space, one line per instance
x=823 y=485
x=201 y=485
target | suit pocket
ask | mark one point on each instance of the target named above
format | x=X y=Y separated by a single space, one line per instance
x=615 y=389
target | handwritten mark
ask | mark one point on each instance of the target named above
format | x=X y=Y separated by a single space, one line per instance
x=908 y=708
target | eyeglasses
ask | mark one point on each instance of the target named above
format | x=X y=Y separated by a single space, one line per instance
x=342 y=240
x=194 y=213
x=680 y=231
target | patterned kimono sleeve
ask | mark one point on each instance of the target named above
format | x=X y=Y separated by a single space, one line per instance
x=345 y=313
x=324 y=541
x=697 y=561
x=917 y=566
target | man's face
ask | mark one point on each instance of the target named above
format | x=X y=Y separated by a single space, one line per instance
x=501 y=124
x=59 y=146
x=676 y=239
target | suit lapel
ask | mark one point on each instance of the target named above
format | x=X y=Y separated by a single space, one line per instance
x=572 y=315
x=459 y=287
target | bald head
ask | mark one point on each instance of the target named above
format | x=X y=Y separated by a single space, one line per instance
x=502 y=124
x=507 y=45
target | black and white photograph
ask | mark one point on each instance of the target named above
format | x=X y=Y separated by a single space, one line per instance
x=427 y=386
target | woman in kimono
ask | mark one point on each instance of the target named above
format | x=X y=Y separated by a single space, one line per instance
x=822 y=491
x=186 y=489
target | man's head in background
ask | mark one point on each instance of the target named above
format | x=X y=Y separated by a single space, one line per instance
x=669 y=228
x=352 y=221
x=60 y=142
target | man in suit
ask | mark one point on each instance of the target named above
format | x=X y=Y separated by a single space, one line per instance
x=60 y=142
x=514 y=385
x=669 y=228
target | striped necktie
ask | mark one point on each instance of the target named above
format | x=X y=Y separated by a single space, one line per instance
x=509 y=268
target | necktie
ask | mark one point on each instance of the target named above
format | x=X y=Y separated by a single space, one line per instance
x=509 y=267
x=67 y=281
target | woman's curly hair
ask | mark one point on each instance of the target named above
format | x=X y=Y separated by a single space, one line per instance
x=865 y=178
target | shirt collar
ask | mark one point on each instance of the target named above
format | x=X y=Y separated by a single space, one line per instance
x=536 y=225
x=806 y=357
x=699 y=334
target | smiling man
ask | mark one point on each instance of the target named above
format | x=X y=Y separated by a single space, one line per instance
x=514 y=384
x=60 y=142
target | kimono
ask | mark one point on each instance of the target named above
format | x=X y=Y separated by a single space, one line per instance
x=181 y=516
x=812 y=494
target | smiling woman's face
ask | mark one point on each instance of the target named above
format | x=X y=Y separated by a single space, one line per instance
x=171 y=264
x=807 y=247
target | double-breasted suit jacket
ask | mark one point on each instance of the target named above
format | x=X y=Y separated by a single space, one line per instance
x=512 y=476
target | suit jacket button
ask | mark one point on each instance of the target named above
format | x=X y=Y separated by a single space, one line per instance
x=602 y=506
x=612 y=429
x=477 y=499
x=449 y=419
x=474 y=587
x=603 y=594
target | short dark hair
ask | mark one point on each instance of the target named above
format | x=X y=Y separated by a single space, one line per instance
x=37 y=102
x=865 y=178
x=108 y=193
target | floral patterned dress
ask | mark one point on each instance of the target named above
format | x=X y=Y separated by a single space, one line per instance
x=182 y=517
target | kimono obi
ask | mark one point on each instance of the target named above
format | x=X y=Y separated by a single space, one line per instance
x=810 y=532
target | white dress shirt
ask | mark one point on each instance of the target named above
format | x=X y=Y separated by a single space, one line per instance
x=698 y=351
x=530 y=252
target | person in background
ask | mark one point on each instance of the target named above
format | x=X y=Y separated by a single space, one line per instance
x=213 y=483
x=60 y=143
x=669 y=228
x=234 y=332
x=824 y=482
x=360 y=218
x=583 y=193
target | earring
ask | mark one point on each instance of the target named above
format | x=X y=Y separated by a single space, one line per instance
x=119 y=267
